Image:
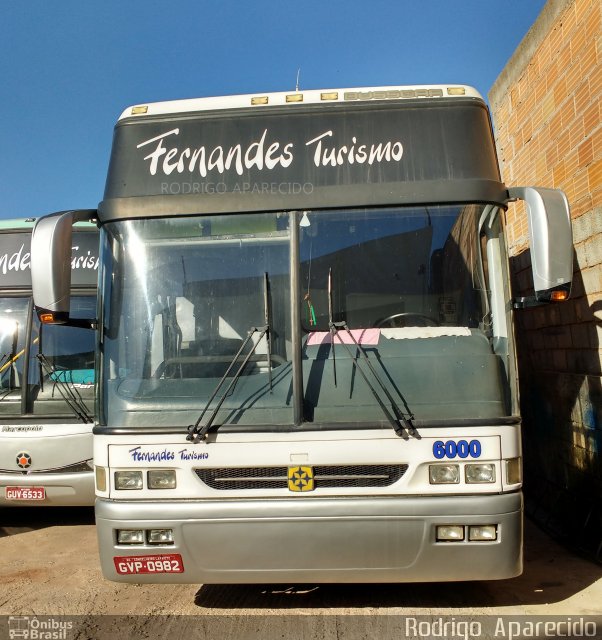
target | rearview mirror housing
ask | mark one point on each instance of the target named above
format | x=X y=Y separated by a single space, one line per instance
x=551 y=240
x=51 y=247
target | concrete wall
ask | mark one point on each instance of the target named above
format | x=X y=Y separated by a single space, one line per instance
x=546 y=110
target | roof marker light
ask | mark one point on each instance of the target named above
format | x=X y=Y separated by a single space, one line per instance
x=260 y=100
x=456 y=91
x=138 y=110
x=294 y=97
x=333 y=95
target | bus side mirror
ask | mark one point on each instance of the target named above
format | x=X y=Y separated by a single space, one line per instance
x=551 y=238
x=51 y=247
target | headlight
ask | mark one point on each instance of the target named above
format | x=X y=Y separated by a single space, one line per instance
x=130 y=536
x=483 y=533
x=162 y=479
x=444 y=474
x=160 y=536
x=128 y=480
x=479 y=473
x=450 y=533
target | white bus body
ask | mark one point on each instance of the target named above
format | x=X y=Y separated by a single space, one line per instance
x=45 y=449
x=307 y=361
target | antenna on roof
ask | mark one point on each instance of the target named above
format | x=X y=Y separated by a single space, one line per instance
x=297 y=84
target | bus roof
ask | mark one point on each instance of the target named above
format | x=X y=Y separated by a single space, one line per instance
x=23 y=224
x=313 y=96
x=17 y=224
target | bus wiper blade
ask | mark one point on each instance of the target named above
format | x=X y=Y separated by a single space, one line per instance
x=196 y=432
x=400 y=422
x=70 y=395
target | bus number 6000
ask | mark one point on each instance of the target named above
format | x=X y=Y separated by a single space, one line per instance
x=453 y=449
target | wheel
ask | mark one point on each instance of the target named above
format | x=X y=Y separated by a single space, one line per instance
x=407 y=319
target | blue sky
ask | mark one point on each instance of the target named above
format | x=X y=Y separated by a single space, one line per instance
x=68 y=68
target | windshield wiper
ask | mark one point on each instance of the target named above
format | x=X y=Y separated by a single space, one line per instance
x=196 y=432
x=70 y=394
x=6 y=360
x=400 y=423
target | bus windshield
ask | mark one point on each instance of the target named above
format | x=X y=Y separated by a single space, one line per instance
x=408 y=283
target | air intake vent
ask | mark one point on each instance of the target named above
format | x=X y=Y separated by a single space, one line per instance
x=325 y=477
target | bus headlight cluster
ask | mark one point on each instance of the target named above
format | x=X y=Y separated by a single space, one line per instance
x=140 y=536
x=481 y=473
x=155 y=479
x=458 y=533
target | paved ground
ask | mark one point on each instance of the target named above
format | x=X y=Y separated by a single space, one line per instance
x=48 y=566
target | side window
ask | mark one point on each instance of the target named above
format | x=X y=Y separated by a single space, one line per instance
x=13 y=327
x=62 y=361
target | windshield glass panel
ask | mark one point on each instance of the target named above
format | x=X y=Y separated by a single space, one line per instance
x=181 y=298
x=62 y=363
x=408 y=284
x=391 y=268
x=13 y=327
x=405 y=288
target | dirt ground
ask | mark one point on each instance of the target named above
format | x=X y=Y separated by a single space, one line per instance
x=49 y=566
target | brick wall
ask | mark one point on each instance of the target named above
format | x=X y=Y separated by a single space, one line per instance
x=546 y=110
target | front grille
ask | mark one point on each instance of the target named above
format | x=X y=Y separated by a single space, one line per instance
x=325 y=477
x=78 y=467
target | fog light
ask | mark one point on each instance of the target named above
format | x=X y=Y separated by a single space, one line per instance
x=128 y=480
x=162 y=479
x=513 y=472
x=160 y=536
x=444 y=474
x=101 y=478
x=483 y=533
x=130 y=536
x=450 y=533
x=479 y=473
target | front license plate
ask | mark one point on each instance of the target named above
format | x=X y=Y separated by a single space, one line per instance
x=25 y=493
x=165 y=563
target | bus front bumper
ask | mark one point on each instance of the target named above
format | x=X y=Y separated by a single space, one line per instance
x=374 y=539
x=58 y=489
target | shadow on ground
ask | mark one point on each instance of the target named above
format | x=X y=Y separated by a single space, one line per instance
x=16 y=520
